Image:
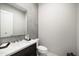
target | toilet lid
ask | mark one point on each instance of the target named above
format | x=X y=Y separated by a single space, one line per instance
x=42 y=48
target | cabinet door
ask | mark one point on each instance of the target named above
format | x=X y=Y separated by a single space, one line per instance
x=28 y=51
x=6 y=23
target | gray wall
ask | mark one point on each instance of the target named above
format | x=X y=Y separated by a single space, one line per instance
x=57 y=27
x=78 y=29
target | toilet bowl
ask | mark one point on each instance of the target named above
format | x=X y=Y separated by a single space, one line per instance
x=43 y=51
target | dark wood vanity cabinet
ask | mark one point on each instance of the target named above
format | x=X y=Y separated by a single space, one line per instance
x=29 y=51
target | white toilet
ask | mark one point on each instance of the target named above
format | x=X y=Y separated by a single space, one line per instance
x=43 y=51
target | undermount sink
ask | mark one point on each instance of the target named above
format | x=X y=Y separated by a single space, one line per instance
x=4 y=45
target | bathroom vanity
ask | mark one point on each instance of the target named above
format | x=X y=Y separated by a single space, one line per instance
x=21 y=48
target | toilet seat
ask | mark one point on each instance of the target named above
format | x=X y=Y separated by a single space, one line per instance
x=42 y=48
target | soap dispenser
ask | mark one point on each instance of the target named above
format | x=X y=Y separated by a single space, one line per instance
x=27 y=37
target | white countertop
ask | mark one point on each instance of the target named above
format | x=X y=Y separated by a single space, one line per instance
x=17 y=46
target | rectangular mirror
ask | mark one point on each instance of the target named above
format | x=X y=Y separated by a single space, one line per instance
x=13 y=21
x=6 y=26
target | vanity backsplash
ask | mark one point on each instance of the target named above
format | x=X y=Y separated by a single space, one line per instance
x=12 y=38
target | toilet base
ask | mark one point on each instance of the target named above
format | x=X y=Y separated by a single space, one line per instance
x=51 y=54
x=47 y=54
